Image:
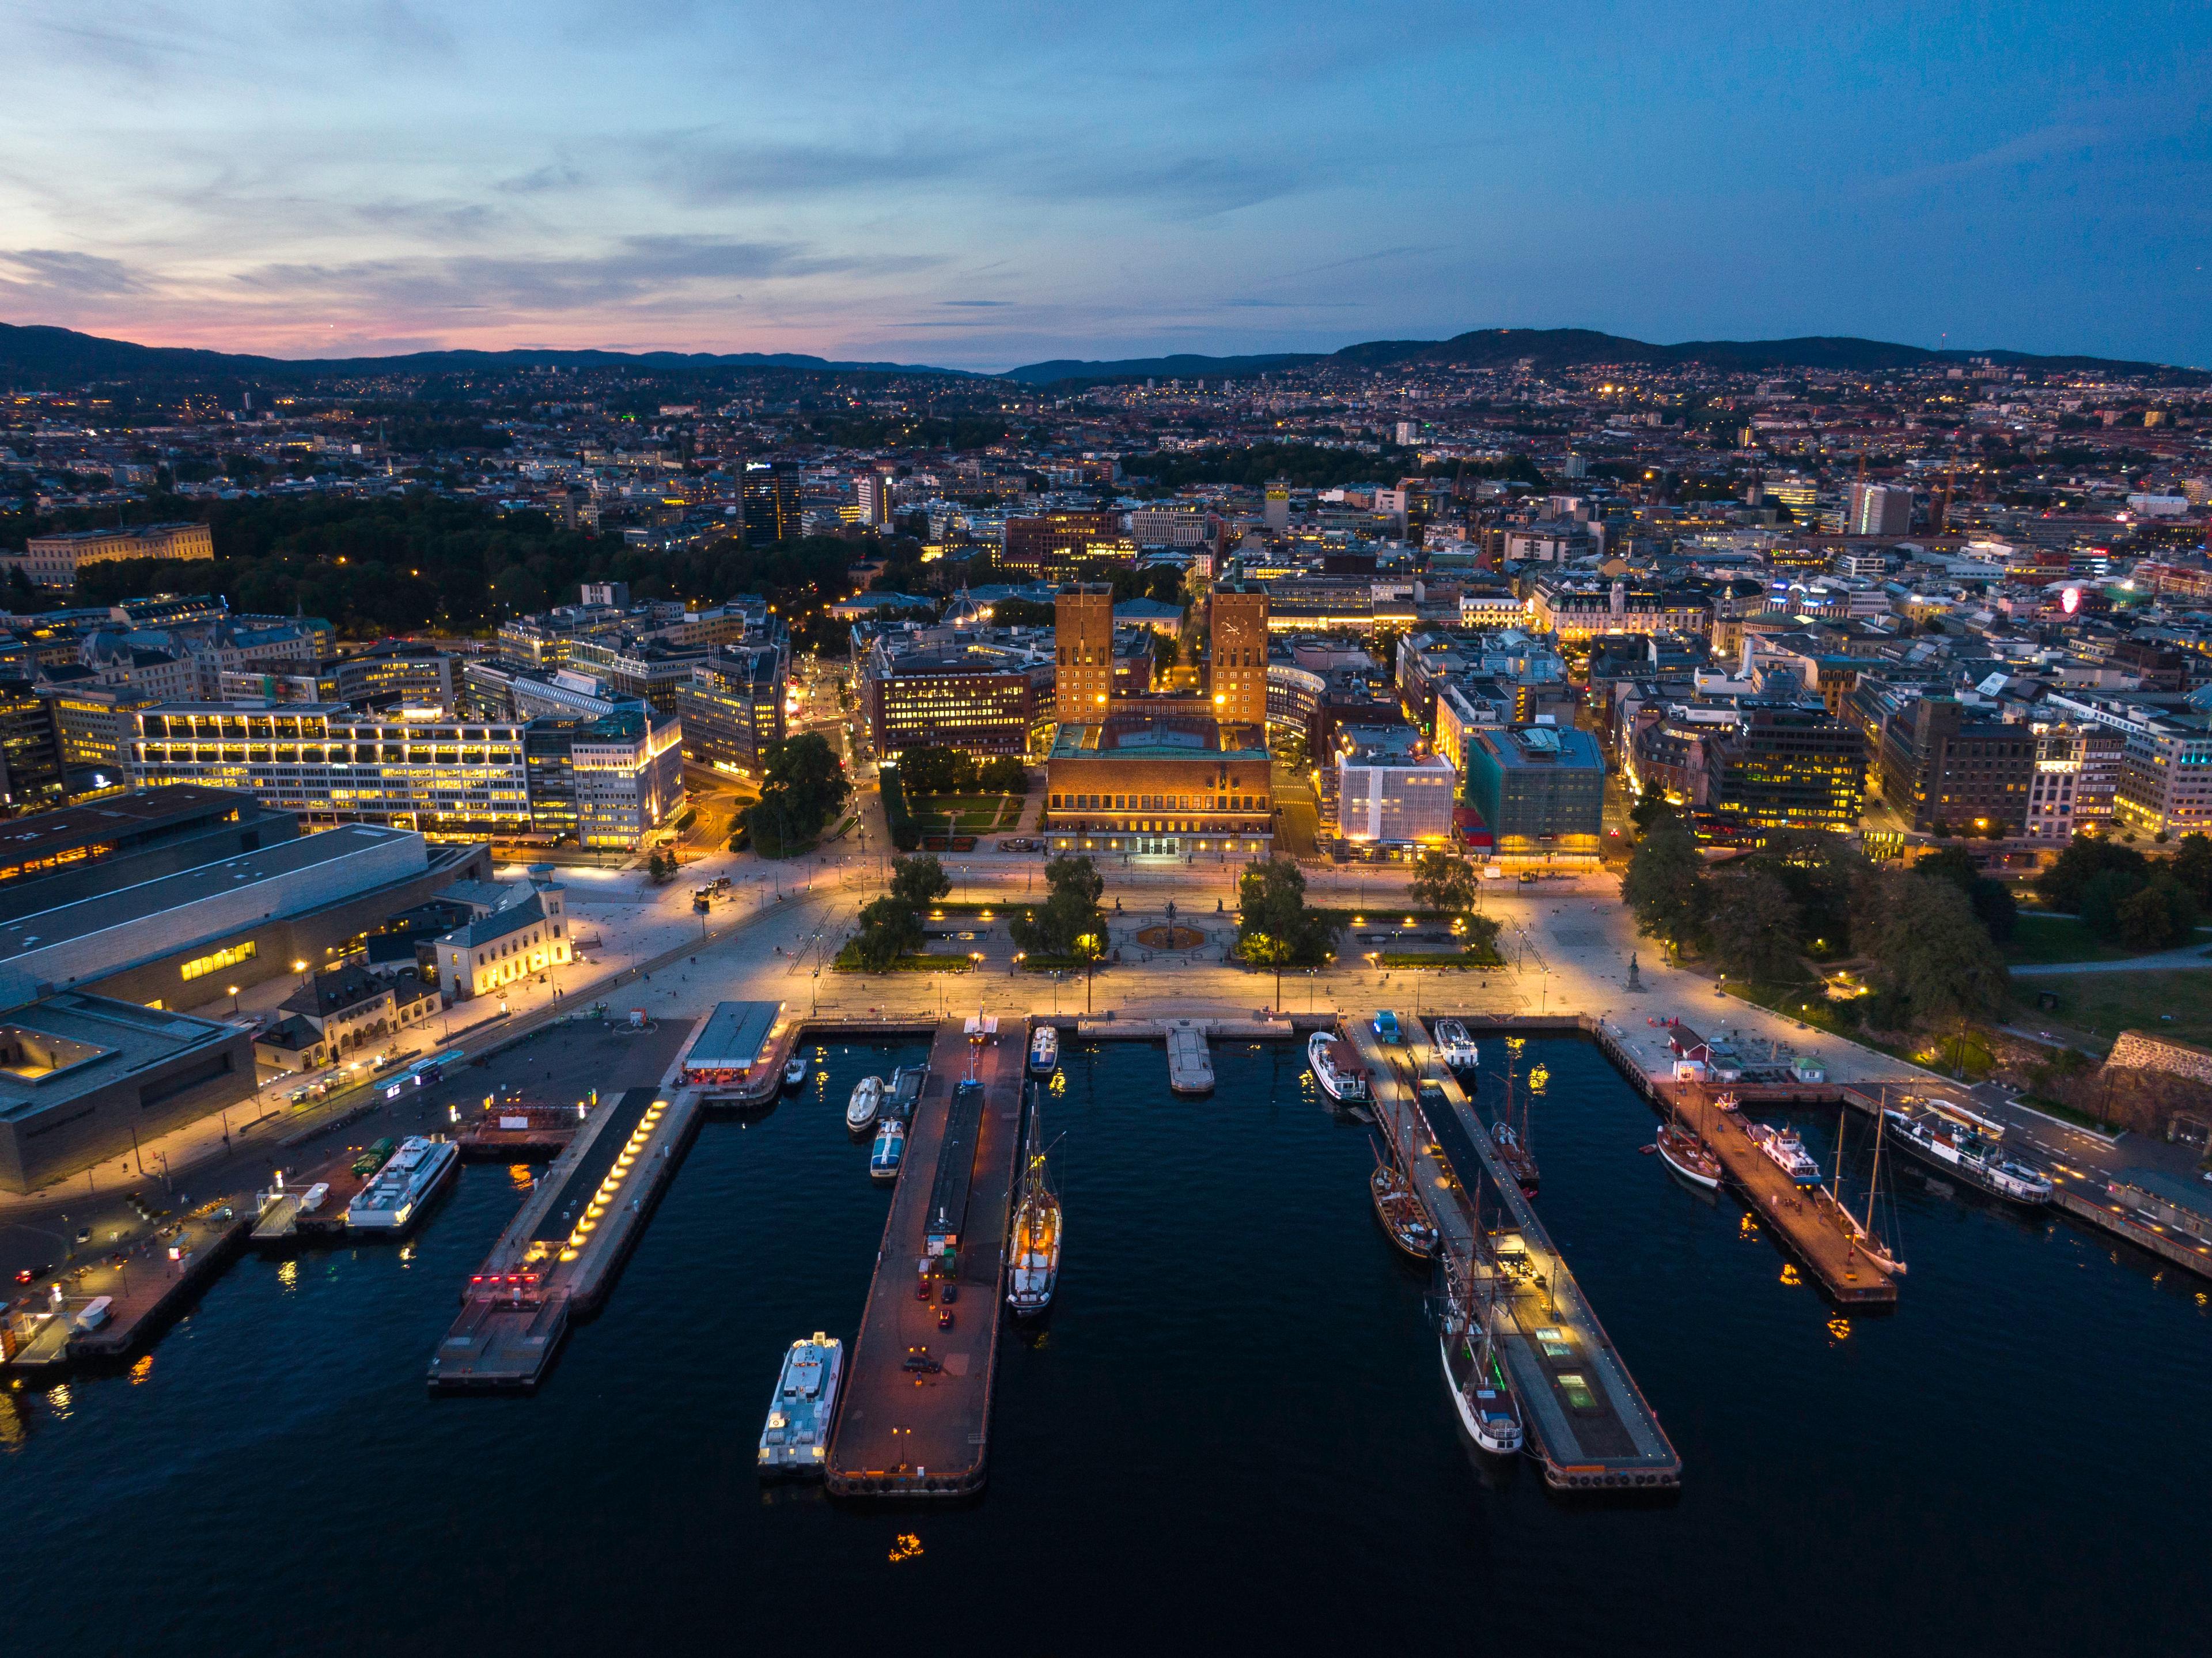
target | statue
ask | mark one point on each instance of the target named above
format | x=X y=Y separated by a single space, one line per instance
x=1635 y=980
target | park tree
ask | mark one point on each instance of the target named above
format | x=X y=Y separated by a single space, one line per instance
x=1650 y=801
x=1447 y=882
x=1926 y=950
x=2160 y=915
x=1003 y=774
x=889 y=930
x=919 y=882
x=1993 y=903
x=1275 y=928
x=804 y=784
x=2060 y=886
x=1820 y=871
x=1069 y=914
x=1753 y=925
x=1664 y=884
x=2192 y=866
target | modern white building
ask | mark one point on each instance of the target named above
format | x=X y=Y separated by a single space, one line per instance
x=1392 y=789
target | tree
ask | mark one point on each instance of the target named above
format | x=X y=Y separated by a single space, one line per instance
x=1005 y=775
x=1649 y=803
x=1926 y=949
x=2086 y=857
x=656 y=868
x=2104 y=894
x=1163 y=651
x=1446 y=881
x=2160 y=916
x=1819 y=870
x=1994 y=905
x=1754 y=924
x=889 y=930
x=1069 y=912
x=804 y=783
x=1664 y=884
x=1274 y=928
x=917 y=882
x=2192 y=866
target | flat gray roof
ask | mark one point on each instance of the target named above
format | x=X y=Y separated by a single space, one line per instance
x=127 y=1038
x=735 y=1034
x=148 y=899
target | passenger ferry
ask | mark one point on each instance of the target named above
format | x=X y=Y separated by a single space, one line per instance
x=1958 y=1142
x=903 y=1090
x=1455 y=1047
x=1336 y=1067
x=888 y=1152
x=397 y=1193
x=1787 y=1151
x=796 y=1440
x=1044 y=1051
x=867 y=1100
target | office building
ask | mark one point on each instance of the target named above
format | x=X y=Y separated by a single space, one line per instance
x=873 y=493
x=1783 y=765
x=52 y=561
x=1539 y=789
x=732 y=709
x=984 y=699
x=32 y=771
x=1392 y=789
x=1937 y=765
x=1578 y=611
x=1237 y=647
x=1878 y=509
x=1083 y=637
x=1066 y=546
x=770 y=502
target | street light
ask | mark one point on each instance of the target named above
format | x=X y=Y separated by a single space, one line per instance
x=232 y=990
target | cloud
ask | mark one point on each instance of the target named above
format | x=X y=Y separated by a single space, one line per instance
x=554 y=175
x=976 y=304
x=82 y=275
x=702 y=171
x=1186 y=187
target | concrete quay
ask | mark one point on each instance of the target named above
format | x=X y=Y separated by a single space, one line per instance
x=138 y=1292
x=1588 y=1423
x=914 y=1415
x=559 y=1256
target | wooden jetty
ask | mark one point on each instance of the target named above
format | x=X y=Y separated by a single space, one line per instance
x=914 y=1415
x=1588 y=1423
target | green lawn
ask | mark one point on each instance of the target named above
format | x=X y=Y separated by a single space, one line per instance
x=2040 y=938
x=2100 y=1005
x=973 y=813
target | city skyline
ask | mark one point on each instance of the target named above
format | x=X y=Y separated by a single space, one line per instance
x=983 y=190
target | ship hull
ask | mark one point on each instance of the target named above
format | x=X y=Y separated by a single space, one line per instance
x=1498 y=1435
x=1992 y=1184
x=1672 y=1157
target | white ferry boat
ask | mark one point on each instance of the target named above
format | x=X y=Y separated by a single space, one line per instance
x=1044 y=1051
x=794 y=1071
x=867 y=1100
x=1336 y=1067
x=889 y=1151
x=1455 y=1047
x=796 y=1440
x=1787 y=1151
x=1961 y=1142
x=397 y=1193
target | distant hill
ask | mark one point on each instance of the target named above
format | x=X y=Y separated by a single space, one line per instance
x=1567 y=348
x=64 y=355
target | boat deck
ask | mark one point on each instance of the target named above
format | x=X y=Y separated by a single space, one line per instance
x=1588 y=1422
x=281 y=1221
x=900 y=1433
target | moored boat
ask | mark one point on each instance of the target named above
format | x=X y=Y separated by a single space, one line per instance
x=867 y=1100
x=1513 y=1157
x=1786 y=1150
x=1336 y=1067
x=903 y=1090
x=1399 y=1211
x=1044 y=1051
x=794 y=1071
x=797 y=1435
x=1455 y=1047
x=399 y=1191
x=1481 y=1390
x=1689 y=1156
x=1962 y=1143
x=1033 y=1267
x=889 y=1151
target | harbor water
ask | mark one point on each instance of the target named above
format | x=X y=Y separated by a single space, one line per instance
x=1230 y=1434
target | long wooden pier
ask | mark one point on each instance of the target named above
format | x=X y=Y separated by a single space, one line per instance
x=1588 y=1422
x=914 y=1415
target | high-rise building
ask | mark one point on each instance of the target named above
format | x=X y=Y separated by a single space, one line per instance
x=1066 y=546
x=874 y=492
x=1877 y=509
x=1784 y=765
x=732 y=709
x=31 y=765
x=1237 y=647
x=771 y=498
x=1937 y=765
x=1082 y=639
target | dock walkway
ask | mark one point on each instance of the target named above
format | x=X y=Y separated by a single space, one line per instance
x=1589 y=1423
x=924 y=1432
x=1190 y=1067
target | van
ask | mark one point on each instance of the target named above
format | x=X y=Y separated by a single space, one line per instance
x=95 y=1313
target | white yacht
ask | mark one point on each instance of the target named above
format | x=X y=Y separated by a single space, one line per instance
x=397 y=1193
x=1455 y=1047
x=1044 y=1051
x=794 y=1071
x=867 y=1100
x=1336 y=1067
x=1787 y=1151
x=796 y=1440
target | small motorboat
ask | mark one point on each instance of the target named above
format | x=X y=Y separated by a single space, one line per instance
x=867 y=1101
x=1044 y=1051
x=1455 y=1047
x=889 y=1151
x=794 y=1071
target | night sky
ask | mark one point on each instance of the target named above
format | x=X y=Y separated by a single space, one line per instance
x=983 y=186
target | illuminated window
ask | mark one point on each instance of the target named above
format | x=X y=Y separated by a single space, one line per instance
x=200 y=966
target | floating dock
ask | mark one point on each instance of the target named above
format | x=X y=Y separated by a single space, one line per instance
x=1190 y=1067
x=914 y=1416
x=510 y=1131
x=312 y=1203
x=558 y=1257
x=1588 y=1423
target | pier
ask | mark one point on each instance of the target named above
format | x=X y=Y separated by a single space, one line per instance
x=105 y=1308
x=914 y=1417
x=1190 y=1067
x=311 y=1205
x=559 y=1255
x=1588 y=1423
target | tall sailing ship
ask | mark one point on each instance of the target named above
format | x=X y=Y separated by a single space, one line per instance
x=1036 y=1264
x=1474 y=1370
x=1511 y=1138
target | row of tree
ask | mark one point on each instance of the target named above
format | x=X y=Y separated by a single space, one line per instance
x=803 y=787
x=952 y=771
x=2118 y=892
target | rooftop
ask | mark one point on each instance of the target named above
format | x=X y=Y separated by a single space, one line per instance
x=54 y=1049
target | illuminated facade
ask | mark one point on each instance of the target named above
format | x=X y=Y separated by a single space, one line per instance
x=1161 y=785
x=984 y=700
x=1082 y=638
x=1237 y=652
x=53 y=560
x=1785 y=766
x=732 y=709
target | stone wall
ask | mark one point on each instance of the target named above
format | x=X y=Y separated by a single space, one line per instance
x=2138 y=1050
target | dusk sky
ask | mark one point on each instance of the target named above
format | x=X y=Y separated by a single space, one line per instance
x=983 y=186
